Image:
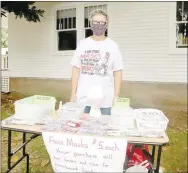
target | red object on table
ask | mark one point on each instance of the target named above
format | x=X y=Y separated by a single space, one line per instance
x=74 y=124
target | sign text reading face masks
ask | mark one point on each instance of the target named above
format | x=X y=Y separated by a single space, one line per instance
x=78 y=153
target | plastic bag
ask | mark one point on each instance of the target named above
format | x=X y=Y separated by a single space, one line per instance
x=138 y=155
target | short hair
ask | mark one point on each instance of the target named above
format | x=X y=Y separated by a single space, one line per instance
x=99 y=12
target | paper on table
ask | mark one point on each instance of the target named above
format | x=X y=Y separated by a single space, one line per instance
x=122 y=102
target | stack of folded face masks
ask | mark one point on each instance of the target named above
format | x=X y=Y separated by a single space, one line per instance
x=94 y=125
x=18 y=121
x=122 y=118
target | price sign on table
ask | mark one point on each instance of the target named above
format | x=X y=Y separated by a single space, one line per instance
x=78 y=153
x=122 y=102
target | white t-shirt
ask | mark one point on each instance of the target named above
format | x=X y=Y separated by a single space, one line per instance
x=97 y=60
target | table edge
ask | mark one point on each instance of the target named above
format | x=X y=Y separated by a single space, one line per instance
x=129 y=141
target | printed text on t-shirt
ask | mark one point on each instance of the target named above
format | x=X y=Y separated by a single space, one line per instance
x=93 y=62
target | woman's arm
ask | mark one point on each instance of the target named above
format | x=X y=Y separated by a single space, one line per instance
x=117 y=82
x=75 y=77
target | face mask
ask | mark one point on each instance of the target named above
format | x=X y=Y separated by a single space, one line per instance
x=98 y=29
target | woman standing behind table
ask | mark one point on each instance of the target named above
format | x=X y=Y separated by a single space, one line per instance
x=97 y=61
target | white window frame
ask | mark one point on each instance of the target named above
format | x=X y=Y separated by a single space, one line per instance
x=172 y=32
x=55 y=50
x=64 y=30
x=80 y=28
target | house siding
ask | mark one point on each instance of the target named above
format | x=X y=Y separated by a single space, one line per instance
x=141 y=29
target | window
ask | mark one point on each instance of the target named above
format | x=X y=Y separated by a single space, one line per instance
x=178 y=27
x=87 y=12
x=182 y=24
x=66 y=29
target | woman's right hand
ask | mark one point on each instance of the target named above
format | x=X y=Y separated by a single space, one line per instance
x=73 y=97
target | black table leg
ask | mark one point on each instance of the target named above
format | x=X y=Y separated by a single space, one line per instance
x=27 y=155
x=24 y=154
x=22 y=146
x=153 y=159
x=153 y=154
x=9 y=148
x=158 y=158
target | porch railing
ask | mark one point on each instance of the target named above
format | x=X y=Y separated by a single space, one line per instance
x=4 y=79
x=4 y=62
x=5 y=84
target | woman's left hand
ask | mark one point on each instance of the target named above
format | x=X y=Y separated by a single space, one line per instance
x=114 y=100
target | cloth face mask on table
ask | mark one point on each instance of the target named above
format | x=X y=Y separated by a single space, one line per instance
x=98 y=29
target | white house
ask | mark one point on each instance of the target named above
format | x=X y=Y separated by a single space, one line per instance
x=152 y=36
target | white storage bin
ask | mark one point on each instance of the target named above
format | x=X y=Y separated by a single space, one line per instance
x=122 y=118
x=152 y=119
x=34 y=108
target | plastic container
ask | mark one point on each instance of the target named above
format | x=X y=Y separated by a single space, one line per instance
x=72 y=106
x=70 y=110
x=34 y=108
x=151 y=119
x=122 y=118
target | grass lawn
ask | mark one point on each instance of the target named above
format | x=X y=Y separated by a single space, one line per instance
x=174 y=156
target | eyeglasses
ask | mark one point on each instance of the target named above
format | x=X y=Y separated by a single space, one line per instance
x=98 y=22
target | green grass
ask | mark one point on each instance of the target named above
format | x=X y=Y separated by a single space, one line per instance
x=174 y=156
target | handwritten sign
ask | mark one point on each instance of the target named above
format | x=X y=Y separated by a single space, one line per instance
x=75 y=153
x=122 y=102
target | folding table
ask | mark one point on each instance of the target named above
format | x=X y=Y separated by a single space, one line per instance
x=36 y=130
